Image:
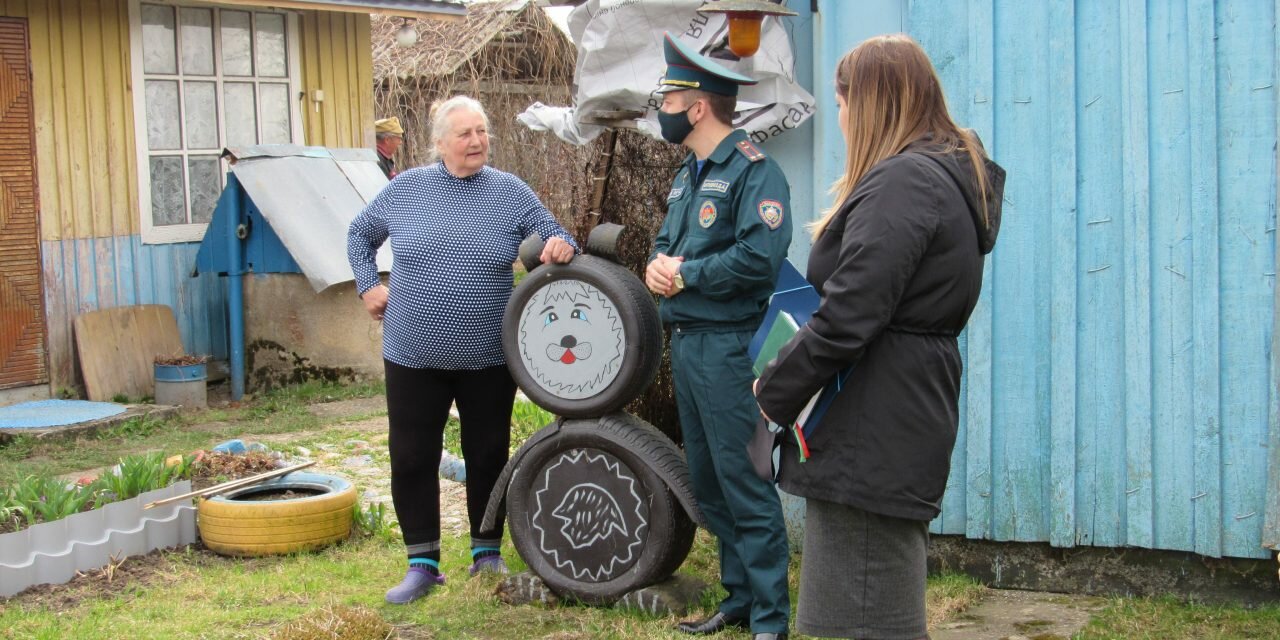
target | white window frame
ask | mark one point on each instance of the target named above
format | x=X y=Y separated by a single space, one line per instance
x=194 y=232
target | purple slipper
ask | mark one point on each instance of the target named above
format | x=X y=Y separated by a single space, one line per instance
x=417 y=582
x=489 y=564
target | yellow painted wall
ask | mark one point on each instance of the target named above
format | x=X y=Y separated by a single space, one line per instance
x=82 y=85
x=83 y=116
x=337 y=58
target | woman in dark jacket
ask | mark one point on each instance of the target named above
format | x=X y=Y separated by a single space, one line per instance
x=898 y=262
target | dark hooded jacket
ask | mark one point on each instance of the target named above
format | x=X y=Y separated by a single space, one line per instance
x=899 y=269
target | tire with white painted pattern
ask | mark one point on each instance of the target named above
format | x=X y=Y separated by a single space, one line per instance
x=582 y=339
x=590 y=513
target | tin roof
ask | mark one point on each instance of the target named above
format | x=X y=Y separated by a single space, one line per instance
x=309 y=195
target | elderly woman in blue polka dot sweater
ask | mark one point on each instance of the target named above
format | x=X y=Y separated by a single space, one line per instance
x=455 y=228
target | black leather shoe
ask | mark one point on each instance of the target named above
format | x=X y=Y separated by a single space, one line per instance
x=770 y=636
x=711 y=625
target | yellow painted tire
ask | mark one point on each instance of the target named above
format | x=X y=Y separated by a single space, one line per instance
x=233 y=526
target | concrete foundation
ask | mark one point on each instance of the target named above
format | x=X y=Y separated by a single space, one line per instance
x=293 y=334
x=1108 y=572
x=19 y=395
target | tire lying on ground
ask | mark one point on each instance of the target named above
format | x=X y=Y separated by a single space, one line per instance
x=582 y=339
x=235 y=524
x=589 y=510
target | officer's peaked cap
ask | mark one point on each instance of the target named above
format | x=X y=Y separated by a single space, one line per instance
x=688 y=69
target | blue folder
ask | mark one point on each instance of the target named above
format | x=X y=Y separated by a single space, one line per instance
x=794 y=295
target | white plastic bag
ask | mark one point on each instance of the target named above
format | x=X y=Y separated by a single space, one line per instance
x=620 y=64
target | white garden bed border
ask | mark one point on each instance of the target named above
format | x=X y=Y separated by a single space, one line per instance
x=54 y=552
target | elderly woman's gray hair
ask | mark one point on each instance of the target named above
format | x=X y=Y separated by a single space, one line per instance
x=440 y=113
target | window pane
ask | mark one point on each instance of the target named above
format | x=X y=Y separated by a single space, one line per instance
x=271 y=58
x=276 y=127
x=202 y=115
x=158 y=48
x=168 y=204
x=240 y=115
x=164 y=129
x=237 y=44
x=205 y=186
x=197 y=42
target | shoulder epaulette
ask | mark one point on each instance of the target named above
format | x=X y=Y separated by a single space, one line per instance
x=751 y=151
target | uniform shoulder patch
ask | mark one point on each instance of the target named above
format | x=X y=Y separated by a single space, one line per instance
x=771 y=213
x=751 y=151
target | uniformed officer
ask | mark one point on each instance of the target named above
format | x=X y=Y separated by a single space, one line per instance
x=389 y=136
x=716 y=261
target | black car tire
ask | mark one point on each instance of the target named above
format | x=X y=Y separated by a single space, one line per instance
x=590 y=512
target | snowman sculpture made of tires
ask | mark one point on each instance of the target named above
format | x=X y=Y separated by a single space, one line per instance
x=599 y=501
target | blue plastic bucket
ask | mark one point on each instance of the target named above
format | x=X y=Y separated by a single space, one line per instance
x=180 y=372
x=182 y=385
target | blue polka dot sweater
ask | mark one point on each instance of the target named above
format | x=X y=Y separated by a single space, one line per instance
x=453 y=241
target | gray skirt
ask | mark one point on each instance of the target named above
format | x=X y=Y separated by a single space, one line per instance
x=862 y=575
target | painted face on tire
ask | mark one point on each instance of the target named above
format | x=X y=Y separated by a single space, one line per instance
x=571 y=339
x=588 y=516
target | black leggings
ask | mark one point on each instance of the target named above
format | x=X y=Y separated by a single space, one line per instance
x=418 y=403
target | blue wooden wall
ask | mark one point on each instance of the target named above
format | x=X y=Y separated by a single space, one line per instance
x=1119 y=368
x=82 y=275
x=1119 y=385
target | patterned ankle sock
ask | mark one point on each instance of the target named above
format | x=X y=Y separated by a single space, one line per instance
x=484 y=552
x=432 y=566
x=429 y=560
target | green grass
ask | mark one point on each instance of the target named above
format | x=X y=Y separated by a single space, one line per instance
x=196 y=594
x=192 y=594
x=1169 y=619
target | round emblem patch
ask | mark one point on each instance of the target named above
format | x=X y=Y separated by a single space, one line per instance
x=771 y=213
x=707 y=214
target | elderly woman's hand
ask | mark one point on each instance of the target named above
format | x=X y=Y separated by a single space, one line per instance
x=557 y=250
x=375 y=300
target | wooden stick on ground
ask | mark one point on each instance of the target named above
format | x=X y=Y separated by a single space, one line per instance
x=231 y=484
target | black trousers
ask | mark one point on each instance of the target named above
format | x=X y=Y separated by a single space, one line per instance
x=418 y=402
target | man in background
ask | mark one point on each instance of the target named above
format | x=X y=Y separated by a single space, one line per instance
x=389 y=137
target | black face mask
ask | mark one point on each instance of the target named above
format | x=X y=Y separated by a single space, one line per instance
x=675 y=126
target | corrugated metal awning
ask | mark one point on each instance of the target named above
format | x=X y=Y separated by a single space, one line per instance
x=309 y=195
x=420 y=9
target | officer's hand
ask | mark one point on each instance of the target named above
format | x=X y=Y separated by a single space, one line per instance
x=557 y=251
x=375 y=301
x=659 y=276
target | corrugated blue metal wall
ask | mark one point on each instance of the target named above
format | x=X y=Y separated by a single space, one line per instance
x=1118 y=386
x=100 y=273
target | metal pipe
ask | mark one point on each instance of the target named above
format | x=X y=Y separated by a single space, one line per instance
x=235 y=291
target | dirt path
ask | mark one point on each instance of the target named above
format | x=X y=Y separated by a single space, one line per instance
x=365 y=460
x=1021 y=615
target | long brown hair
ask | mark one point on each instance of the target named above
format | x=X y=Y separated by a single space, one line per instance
x=893 y=98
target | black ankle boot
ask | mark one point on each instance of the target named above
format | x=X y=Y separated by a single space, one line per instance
x=714 y=624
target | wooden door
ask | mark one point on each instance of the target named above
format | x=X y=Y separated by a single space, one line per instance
x=22 y=329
